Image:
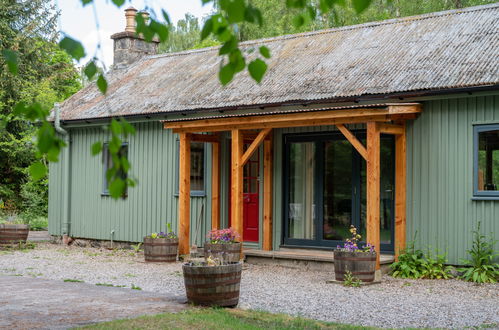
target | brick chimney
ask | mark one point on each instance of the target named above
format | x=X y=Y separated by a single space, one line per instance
x=128 y=46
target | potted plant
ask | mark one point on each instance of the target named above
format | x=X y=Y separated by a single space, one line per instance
x=223 y=243
x=359 y=262
x=13 y=231
x=161 y=247
x=214 y=282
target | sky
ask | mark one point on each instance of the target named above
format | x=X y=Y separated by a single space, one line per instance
x=79 y=22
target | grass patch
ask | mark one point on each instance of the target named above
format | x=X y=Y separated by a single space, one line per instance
x=211 y=318
x=73 y=280
x=134 y=287
x=109 y=284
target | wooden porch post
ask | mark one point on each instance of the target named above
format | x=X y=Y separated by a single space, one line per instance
x=400 y=192
x=215 y=186
x=373 y=188
x=184 y=193
x=267 y=193
x=237 y=182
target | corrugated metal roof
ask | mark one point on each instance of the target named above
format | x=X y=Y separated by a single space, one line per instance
x=446 y=50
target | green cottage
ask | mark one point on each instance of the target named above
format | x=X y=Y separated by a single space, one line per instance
x=391 y=126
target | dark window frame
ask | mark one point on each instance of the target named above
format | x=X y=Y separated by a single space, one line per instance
x=194 y=193
x=320 y=138
x=481 y=194
x=105 y=157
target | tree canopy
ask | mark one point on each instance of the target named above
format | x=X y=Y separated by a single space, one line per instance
x=46 y=74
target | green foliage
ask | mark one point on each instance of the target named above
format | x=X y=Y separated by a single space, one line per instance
x=136 y=247
x=414 y=263
x=482 y=267
x=350 y=280
x=39 y=74
x=433 y=267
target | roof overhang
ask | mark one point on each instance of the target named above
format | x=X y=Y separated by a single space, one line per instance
x=299 y=118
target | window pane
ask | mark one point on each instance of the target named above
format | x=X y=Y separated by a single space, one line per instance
x=488 y=160
x=337 y=189
x=197 y=166
x=301 y=208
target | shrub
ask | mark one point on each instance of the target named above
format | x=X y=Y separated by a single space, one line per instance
x=481 y=268
x=414 y=263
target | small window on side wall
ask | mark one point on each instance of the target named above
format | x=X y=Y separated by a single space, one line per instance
x=108 y=163
x=486 y=162
x=197 y=169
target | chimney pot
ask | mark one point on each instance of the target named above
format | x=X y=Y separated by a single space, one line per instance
x=129 y=46
x=130 y=19
x=145 y=16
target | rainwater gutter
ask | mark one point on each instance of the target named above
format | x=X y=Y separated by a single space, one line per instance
x=66 y=175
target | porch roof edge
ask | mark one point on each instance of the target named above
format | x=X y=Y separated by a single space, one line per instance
x=279 y=110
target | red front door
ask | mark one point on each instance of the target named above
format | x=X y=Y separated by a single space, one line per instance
x=250 y=199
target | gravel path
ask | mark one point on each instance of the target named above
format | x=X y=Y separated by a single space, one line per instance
x=393 y=303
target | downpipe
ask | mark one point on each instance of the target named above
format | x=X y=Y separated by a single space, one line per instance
x=66 y=187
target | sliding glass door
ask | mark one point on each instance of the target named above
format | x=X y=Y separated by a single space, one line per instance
x=325 y=190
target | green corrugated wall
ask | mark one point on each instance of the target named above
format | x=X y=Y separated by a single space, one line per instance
x=148 y=207
x=439 y=181
x=440 y=175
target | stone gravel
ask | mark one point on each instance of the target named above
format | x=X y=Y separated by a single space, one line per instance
x=392 y=303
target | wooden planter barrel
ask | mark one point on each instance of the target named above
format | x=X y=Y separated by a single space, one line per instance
x=213 y=285
x=13 y=233
x=160 y=249
x=230 y=252
x=362 y=265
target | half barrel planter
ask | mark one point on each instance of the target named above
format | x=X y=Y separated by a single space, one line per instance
x=13 y=233
x=361 y=265
x=160 y=249
x=229 y=252
x=213 y=285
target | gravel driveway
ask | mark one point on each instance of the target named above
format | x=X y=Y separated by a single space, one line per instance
x=393 y=303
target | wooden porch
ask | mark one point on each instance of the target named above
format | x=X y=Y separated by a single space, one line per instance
x=386 y=119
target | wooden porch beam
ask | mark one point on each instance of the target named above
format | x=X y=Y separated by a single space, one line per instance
x=373 y=188
x=391 y=129
x=215 y=186
x=292 y=123
x=212 y=138
x=353 y=140
x=184 y=194
x=237 y=182
x=267 y=194
x=304 y=118
x=254 y=145
x=400 y=192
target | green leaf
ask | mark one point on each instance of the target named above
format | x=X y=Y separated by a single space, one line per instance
x=257 y=69
x=38 y=170
x=160 y=29
x=118 y=3
x=86 y=2
x=117 y=188
x=166 y=17
x=360 y=5
x=207 y=28
x=11 y=60
x=228 y=46
x=90 y=70
x=102 y=84
x=226 y=74
x=235 y=11
x=265 y=52
x=298 y=21
x=72 y=47
x=96 y=148
x=296 y=3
